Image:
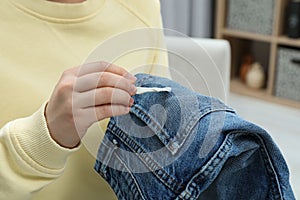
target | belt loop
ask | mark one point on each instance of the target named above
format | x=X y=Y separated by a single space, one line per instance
x=105 y=154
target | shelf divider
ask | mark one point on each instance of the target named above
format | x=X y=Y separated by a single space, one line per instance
x=236 y=86
x=272 y=68
x=247 y=35
x=284 y=40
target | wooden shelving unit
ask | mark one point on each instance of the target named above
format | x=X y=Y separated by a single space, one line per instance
x=246 y=35
x=241 y=41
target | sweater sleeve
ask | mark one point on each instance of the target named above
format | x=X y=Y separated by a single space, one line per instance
x=29 y=157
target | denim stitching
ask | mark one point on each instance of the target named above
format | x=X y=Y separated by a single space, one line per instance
x=115 y=187
x=186 y=194
x=208 y=171
x=205 y=171
x=108 y=155
x=155 y=168
x=133 y=178
x=163 y=134
x=141 y=80
x=268 y=164
x=150 y=163
x=270 y=169
x=195 y=121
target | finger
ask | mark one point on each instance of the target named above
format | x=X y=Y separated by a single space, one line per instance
x=105 y=111
x=103 y=79
x=102 y=96
x=102 y=66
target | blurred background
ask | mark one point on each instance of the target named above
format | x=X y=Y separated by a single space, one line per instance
x=191 y=17
x=264 y=39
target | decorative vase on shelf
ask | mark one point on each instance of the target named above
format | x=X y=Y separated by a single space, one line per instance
x=247 y=62
x=255 y=77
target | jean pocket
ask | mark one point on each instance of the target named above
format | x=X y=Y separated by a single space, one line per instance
x=171 y=119
x=116 y=171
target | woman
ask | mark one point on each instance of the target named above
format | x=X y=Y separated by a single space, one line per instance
x=41 y=154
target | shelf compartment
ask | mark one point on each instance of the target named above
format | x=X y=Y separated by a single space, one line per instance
x=287 y=83
x=240 y=47
x=253 y=16
x=236 y=86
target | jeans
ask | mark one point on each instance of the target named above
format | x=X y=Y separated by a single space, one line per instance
x=183 y=145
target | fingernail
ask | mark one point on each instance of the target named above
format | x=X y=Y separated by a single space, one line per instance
x=131 y=102
x=133 y=90
x=131 y=77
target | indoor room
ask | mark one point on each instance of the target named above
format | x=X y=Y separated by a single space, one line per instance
x=150 y=99
x=266 y=36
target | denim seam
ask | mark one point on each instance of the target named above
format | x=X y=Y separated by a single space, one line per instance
x=205 y=171
x=164 y=137
x=133 y=178
x=117 y=190
x=161 y=174
x=270 y=169
x=141 y=80
x=197 y=120
x=268 y=164
x=149 y=119
x=148 y=161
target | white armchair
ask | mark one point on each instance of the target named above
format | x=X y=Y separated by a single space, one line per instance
x=200 y=64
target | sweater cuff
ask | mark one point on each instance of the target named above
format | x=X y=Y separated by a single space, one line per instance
x=31 y=139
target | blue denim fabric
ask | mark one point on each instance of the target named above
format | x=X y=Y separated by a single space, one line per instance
x=183 y=145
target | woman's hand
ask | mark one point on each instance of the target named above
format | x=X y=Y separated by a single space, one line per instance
x=85 y=95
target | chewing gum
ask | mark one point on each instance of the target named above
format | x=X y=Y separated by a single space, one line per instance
x=142 y=90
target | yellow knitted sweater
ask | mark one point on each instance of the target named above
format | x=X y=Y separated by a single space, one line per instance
x=40 y=39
